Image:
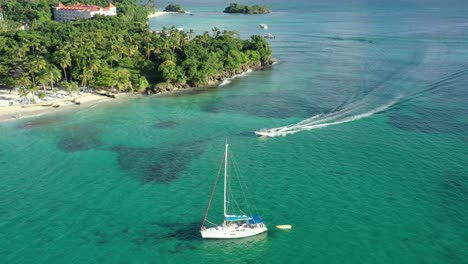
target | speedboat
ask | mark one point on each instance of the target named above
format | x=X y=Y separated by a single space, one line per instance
x=263 y=132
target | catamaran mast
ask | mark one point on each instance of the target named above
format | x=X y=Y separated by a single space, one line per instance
x=225 y=178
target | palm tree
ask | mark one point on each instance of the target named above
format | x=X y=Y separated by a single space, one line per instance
x=63 y=58
x=205 y=39
x=42 y=78
x=23 y=83
x=147 y=45
x=86 y=76
x=230 y=33
x=174 y=39
x=33 y=89
x=148 y=49
x=216 y=32
x=115 y=52
x=36 y=64
x=53 y=74
x=32 y=44
x=182 y=38
x=130 y=46
x=164 y=31
x=130 y=49
x=70 y=86
x=84 y=49
x=94 y=65
x=123 y=80
x=112 y=57
x=190 y=33
x=22 y=50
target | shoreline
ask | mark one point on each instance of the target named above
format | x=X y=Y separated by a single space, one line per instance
x=70 y=103
x=160 y=13
x=85 y=100
x=213 y=81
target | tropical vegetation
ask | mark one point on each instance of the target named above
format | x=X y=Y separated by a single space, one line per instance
x=174 y=8
x=245 y=9
x=36 y=12
x=121 y=53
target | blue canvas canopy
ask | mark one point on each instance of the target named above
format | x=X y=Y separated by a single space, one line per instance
x=238 y=218
x=256 y=219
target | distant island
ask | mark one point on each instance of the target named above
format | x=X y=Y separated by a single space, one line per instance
x=174 y=8
x=244 y=9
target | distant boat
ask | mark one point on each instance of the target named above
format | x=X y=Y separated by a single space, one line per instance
x=264 y=26
x=269 y=35
x=234 y=225
x=284 y=226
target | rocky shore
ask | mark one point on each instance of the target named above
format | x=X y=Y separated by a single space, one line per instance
x=213 y=81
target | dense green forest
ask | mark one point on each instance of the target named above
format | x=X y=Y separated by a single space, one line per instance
x=244 y=9
x=174 y=8
x=121 y=53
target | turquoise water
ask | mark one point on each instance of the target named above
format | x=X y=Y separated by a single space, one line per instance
x=368 y=161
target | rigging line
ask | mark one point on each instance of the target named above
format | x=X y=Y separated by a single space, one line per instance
x=242 y=184
x=211 y=222
x=213 y=191
x=236 y=177
x=229 y=196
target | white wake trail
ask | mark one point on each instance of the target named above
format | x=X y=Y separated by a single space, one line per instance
x=318 y=122
x=316 y=119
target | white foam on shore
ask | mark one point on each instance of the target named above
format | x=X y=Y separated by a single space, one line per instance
x=229 y=80
x=225 y=82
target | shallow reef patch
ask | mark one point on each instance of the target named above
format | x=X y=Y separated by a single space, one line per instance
x=165 y=124
x=155 y=165
x=79 y=138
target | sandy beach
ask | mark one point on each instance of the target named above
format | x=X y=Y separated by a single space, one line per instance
x=160 y=13
x=11 y=109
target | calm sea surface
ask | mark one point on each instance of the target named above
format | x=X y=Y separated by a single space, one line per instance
x=368 y=109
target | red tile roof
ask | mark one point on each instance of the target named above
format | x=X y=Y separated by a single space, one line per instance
x=80 y=7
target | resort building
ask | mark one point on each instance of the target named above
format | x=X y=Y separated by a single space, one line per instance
x=67 y=13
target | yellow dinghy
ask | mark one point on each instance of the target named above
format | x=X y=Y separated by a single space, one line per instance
x=284 y=226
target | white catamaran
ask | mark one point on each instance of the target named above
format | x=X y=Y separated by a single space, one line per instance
x=234 y=225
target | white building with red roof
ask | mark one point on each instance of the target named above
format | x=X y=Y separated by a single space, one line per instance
x=70 y=12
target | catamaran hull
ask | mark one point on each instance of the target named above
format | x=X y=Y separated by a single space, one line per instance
x=231 y=232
